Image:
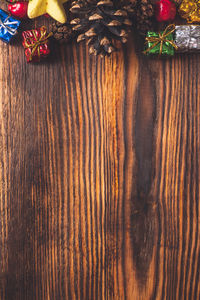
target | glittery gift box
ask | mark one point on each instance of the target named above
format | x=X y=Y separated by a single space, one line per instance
x=8 y=26
x=187 y=38
x=36 y=44
x=190 y=10
x=167 y=48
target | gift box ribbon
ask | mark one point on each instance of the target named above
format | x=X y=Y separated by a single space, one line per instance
x=6 y=26
x=161 y=39
x=38 y=41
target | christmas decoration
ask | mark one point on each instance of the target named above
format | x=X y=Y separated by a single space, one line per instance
x=54 y=8
x=36 y=44
x=190 y=10
x=144 y=14
x=11 y=1
x=187 y=38
x=165 y=10
x=161 y=43
x=128 y=5
x=19 y=9
x=62 y=32
x=8 y=26
x=104 y=24
x=100 y=23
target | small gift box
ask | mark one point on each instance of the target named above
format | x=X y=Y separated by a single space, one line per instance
x=161 y=43
x=8 y=26
x=190 y=10
x=36 y=44
x=187 y=38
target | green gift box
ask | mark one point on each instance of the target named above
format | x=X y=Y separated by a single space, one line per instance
x=161 y=43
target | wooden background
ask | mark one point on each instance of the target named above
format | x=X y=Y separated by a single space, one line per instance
x=99 y=176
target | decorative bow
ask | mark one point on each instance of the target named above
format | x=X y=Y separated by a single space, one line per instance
x=38 y=41
x=161 y=39
x=6 y=25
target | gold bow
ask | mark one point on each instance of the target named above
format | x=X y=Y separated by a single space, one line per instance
x=161 y=39
x=42 y=40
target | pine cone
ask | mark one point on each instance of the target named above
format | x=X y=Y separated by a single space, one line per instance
x=128 y=5
x=82 y=7
x=100 y=23
x=62 y=32
x=145 y=12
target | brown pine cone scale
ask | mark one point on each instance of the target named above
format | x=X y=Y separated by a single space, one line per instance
x=100 y=23
x=62 y=32
x=144 y=14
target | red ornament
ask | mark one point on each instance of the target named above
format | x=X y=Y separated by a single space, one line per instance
x=36 y=44
x=165 y=10
x=19 y=9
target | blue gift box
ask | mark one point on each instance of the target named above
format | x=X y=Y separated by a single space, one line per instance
x=8 y=26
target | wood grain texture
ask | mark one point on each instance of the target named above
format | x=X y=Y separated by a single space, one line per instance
x=99 y=176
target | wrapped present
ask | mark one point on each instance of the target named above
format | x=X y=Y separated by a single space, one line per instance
x=36 y=44
x=161 y=43
x=8 y=26
x=190 y=10
x=187 y=38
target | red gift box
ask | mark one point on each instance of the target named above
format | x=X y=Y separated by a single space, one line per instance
x=36 y=44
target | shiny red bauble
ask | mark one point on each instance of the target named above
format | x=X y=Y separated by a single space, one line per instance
x=165 y=10
x=19 y=9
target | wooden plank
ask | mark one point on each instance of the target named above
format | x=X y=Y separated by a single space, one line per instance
x=99 y=176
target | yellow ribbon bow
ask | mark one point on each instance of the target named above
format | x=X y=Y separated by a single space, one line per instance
x=38 y=41
x=161 y=39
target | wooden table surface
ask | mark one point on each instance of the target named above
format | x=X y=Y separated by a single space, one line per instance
x=99 y=176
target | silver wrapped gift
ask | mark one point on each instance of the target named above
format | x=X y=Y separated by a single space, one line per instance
x=187 y=38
